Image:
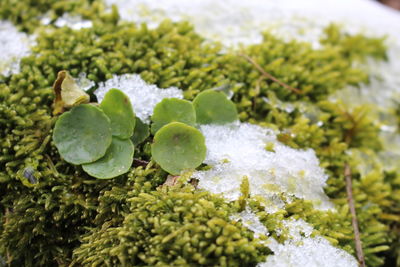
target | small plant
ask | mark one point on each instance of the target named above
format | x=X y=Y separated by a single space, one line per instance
x=213 y=107
x=102 y=138
x=83 y=134
x=178 y=147
x=170 y=110
x=98 y=138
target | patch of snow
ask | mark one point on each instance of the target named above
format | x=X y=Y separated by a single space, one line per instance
x=250 y=220
x=310 y=252
x=236 y=21
x=14 y=45
x=240 y=149
x=383 y=93
x=144 y=97
x=300 y=249
x=297 y=229
x=83 y=82
x=74 y=22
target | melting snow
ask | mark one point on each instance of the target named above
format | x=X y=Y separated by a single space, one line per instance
x=144 y=97
x=250 y=220
x=300 y=249
x=237 y=21
x=310 y=252
x=74 y=22
x=238 y=150
x=14 y=45
x=83 y=82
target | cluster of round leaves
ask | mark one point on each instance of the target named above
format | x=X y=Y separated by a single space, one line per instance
x=102 y=139
x=178 y=145
x=98 y=138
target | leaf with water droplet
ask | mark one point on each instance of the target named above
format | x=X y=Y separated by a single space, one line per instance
x=171 y=110
x=117 y=106
x=68 y=93
x=140 y=133
x=178 y=147
x=116 y=161
x=213 y=107
x=83 y=134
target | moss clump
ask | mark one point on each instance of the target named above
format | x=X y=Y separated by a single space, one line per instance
x=68 y=217
x=176 y=226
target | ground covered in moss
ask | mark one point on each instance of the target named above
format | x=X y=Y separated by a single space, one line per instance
x=53 y=213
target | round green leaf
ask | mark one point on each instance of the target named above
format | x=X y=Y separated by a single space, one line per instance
x=178 y=147
x=214 y=107
x=83 y=134
x=116 y=161
x=117 y=106
x=171 y=110
x=140 y=133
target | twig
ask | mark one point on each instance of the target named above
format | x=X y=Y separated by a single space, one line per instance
x=8 y=256
x=354 y=222
x=139 y=162
x=270 y=76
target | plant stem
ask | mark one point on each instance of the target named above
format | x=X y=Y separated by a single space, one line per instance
x=270 y=76
x=354 y=222
x=139 y=162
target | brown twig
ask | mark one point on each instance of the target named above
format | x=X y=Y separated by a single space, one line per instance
x=139 y=162
x=270 y=76
x=8 y=256
x=354 y=222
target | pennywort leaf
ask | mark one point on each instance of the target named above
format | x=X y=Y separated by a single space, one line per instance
x=171 y=110
x=140 y=133
x=83 y=134
x=178 y=147
x=117 y=106
x=213 y=107
x=116 y=161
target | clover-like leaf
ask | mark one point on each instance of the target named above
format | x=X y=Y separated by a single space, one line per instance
x=213 y=107
x=140 y=133
x=117 y=106
x=178 y=147
x=116 y=161
x=83 y=134
x=68 y=93
x=170 y=110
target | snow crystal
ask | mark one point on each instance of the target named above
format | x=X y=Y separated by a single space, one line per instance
x=297 y=229
x=310 y=252
x=83 y=82
x=250 y=220
x=238 y=150
x=300 y=249
x=237 y=21
x=144 y=97
x=14 y=45
x=73 y=21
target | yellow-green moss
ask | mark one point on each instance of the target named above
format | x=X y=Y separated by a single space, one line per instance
x=67 y=216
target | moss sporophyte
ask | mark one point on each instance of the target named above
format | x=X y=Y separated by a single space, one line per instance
x=268 y=164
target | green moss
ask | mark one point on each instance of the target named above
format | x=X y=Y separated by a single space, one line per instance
x=68 y=217
x=172 y=227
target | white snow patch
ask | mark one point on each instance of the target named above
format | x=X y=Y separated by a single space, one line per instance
x=237 y=21
x=74 y=22
x=250 y=220
x=238 y=150
x=83 y=82
x=310 y=252
x=14 y=45
x=300 y=249
x=383 y=93
x=144 y=97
